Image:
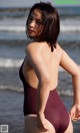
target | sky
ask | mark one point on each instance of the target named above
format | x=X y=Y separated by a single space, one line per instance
x=20 y=3
x=29 y=3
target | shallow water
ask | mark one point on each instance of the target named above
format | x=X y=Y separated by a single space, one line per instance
x=11 y=111
x=13 y=41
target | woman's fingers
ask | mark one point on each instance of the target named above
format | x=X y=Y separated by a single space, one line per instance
x=41 y=126
x=41 y=123
x=75 y=113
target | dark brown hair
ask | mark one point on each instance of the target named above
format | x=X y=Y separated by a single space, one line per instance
x=51 y=23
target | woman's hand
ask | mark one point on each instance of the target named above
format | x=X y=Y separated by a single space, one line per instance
x=75 y=112
x=41 y=122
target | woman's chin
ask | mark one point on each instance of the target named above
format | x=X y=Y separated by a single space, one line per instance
x=31 y=36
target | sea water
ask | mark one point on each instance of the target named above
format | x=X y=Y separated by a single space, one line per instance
x=13 y=41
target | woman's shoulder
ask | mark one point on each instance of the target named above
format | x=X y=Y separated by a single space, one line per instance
x=33 y=44
x=33 y=50
x=33 y=47
x=59 y=47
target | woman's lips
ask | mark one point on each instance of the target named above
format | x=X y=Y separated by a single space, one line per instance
x=30 y=31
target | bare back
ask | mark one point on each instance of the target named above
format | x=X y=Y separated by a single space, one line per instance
x=51 y=60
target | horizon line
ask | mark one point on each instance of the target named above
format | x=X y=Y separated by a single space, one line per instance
x=57 y=5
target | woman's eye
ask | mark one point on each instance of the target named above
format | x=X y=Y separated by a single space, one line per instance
x=38 y=22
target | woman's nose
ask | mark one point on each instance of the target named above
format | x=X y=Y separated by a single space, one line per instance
x=32 y=23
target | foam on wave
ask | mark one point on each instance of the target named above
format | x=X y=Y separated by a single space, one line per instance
x=7 y=63
x=68 y=28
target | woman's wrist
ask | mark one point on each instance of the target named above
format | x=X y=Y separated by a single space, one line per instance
x=40 y=112
x=76 y=101
x=77 y=105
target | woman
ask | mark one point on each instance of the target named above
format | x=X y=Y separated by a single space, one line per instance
x=44 y=111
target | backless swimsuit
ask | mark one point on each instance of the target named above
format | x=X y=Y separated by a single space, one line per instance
x=55 y=110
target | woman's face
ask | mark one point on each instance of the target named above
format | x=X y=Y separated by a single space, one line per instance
x=35 y=26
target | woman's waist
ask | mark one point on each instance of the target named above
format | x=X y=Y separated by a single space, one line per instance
x=30 y=87
x=34 y=84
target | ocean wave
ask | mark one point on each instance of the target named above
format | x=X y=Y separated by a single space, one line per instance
x=11 y=88
x=67 y=28
x=65 y=93
x=7 y=63
x=70 y=28
x=12 y=28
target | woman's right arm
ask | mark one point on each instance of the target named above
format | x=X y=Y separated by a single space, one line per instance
x=37 y=62
x=72 y=68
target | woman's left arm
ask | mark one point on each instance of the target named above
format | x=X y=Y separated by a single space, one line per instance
x=75 y=110
x=71 y=67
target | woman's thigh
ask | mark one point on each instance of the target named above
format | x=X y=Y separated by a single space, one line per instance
x=30 y=125
x=70 y=128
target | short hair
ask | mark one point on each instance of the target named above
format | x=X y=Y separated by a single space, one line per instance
x=51 y=23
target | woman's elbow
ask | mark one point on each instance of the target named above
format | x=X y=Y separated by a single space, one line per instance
x=77 y=72
x=45 y=80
